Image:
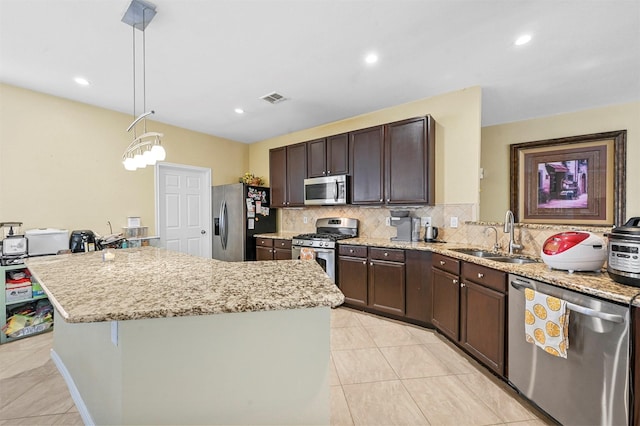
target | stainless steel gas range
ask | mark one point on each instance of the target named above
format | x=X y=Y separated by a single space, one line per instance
x=322 y=244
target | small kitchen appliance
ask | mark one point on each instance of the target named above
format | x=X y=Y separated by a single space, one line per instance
x=430 y=234
x=326 y=190
x=624 y=253
x=329 y=230
x=401 y=220
x=44 y=241
x=14 y=244
x=574 y=251
x=81 y=241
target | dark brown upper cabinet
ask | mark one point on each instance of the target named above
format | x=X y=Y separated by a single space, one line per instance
x=409 y=153
x=366 y=158
x=394 y=163
x=287 y=172
x=328 y=156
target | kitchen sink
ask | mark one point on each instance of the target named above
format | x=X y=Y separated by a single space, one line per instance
x=497 y=257
x=518 y=260
x=478 y=252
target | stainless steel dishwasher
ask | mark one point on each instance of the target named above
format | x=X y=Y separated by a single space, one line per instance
x=590 y=386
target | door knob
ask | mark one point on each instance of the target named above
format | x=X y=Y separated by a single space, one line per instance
x=203 y=232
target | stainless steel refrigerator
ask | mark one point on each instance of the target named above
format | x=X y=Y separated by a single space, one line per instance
x=239 y=212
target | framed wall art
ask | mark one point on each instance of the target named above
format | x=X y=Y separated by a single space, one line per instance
x=577 y=180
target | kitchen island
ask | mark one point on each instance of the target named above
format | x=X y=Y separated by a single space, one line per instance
x=159 y=337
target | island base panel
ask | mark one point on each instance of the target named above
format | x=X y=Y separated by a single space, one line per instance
x=268 y=367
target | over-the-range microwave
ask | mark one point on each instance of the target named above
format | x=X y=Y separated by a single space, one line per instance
x=326 y=190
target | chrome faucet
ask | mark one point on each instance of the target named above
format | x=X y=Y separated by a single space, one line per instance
x=508 y=227
x=496 y=246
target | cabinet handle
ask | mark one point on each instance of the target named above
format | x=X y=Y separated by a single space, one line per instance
x=328 y=172
x=380 y=199
x=388 y=200
x=282 y=243
x=350 y=250
x=371 y=263
x=455 y=281
x=462 y=284
x=442 y=262
x=386 y=254
x=364 y=262
x=323 y=173
x=480 y=275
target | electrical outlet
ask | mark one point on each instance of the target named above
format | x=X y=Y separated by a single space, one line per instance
x=454 y=221
x=388 y=221
x=425 y=220
x=305 y=219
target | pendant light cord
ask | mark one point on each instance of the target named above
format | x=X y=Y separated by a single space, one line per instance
x=144 y=67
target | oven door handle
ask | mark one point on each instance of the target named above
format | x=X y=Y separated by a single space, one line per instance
x=317 y=250
x=618 y=319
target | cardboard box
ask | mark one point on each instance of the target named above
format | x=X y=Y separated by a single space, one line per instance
x=16 y=294
x=36 y=290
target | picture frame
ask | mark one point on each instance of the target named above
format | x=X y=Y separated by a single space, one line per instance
x=576 y=180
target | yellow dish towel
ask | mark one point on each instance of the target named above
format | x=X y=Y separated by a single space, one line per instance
x=307 y=253
x=546 y=322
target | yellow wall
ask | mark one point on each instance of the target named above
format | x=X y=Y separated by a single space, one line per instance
x=60 y=163
x=494 y=198
x=457 y=115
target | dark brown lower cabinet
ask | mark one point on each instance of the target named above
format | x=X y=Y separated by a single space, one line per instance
x=273 y=249
x=469 y=307
x=418 y=285
x=386 y=280
x=446 y=302
x=372 y=278
x=353 y=274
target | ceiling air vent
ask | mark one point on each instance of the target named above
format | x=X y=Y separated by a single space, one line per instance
x=273 y=98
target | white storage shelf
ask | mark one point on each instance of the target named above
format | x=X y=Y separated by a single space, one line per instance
x=4 y=304
x=150 y=241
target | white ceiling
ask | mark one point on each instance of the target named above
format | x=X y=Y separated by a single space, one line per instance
x=206 y=57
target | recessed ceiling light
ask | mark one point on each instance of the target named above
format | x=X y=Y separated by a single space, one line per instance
x=523 y=39
x=239 y=111
x=81 y=81
x=371 y=58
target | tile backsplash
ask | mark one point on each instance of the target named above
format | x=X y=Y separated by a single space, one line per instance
x=372 y=224
x=373 y=219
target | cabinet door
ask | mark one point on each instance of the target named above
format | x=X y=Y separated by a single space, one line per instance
x=366 y=165
x=317 y=158
x=278 y=176
x=387 y=286
x=338 y=154
x=296 y=173
x=445 y=302
x=482 y=324
x=418 y=285
x=352 y=280
x=264 y=253
x=281 y=254
x=409 y=162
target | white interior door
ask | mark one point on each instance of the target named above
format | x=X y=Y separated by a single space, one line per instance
x=183 y=208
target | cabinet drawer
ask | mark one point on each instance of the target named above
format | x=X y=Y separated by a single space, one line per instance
x=393 y=255
x=283 y=244
x=446 y=263
x=264 y=242
x=488 y=277
x=353 y=251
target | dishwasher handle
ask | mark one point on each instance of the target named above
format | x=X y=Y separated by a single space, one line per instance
x=618 y=319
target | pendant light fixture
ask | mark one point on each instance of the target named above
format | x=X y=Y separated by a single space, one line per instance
x=145 y=149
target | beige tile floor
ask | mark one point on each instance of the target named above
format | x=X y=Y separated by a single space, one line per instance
x=382 y=373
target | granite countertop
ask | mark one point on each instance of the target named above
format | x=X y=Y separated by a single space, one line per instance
x=150 y=282
x=278 y=235
x=593 y=283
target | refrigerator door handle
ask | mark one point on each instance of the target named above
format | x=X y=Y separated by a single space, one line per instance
x=225 y=230
x=222 y=225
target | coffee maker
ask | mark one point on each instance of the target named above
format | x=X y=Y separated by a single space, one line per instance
x=401 y=220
